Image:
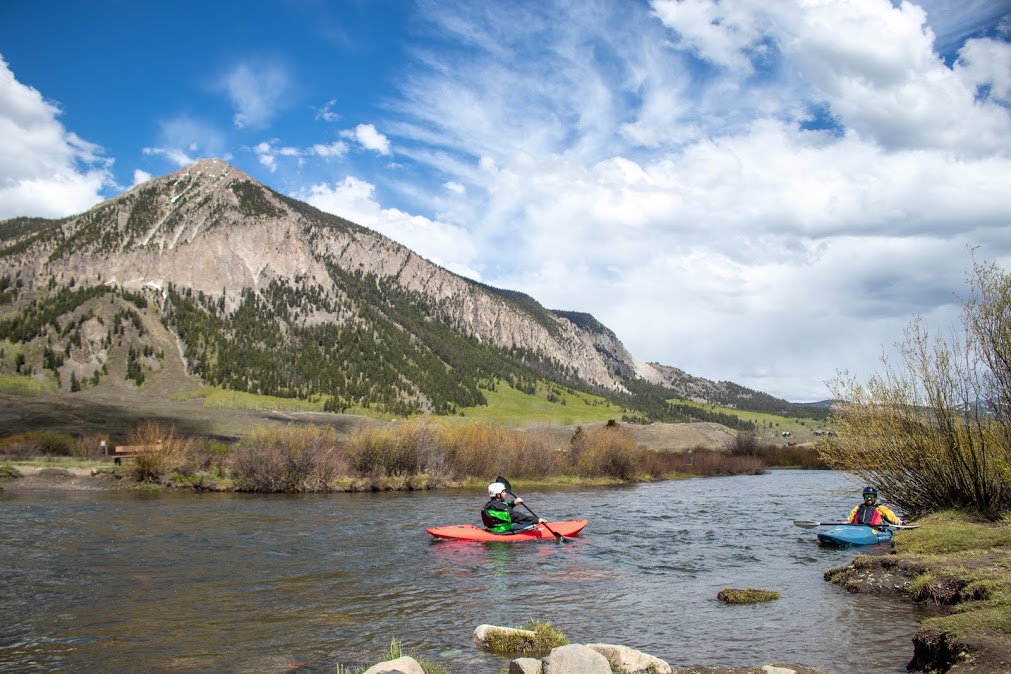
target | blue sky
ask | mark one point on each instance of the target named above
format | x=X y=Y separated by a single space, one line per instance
x=763 y=192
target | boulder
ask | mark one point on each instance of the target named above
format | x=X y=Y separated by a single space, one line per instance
x=575 y=659
x=404 y=665
x=772 y=669
x=630 y=660
x=525 y=666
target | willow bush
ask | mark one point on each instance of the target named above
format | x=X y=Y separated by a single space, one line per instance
x=607 y=451
x=289 y=459
x=171 y=451
x=933 y=432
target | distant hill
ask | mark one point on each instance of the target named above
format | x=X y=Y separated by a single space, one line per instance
x=206 y=277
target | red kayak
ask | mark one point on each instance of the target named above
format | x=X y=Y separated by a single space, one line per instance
x=468 y=532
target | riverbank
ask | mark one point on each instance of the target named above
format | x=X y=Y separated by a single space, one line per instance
x=961 y=566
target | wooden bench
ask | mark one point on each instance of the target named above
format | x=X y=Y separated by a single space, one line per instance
x=121 y=452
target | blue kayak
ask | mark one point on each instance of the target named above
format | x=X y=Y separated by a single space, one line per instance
x=844 y=536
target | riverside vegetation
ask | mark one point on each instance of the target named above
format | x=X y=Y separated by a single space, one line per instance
x=413 y=454
x=933 y=432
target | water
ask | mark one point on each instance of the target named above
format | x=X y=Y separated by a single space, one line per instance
x=112 y=582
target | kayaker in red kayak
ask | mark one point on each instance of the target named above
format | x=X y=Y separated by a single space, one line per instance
x=498 y=514
x=871 y=514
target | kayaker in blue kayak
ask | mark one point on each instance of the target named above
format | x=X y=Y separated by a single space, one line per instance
x=871 y=514
x=498 y=515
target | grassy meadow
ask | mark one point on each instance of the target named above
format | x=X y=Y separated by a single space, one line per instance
x=766 y=424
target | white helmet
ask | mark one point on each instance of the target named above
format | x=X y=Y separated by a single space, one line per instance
x=496 y=488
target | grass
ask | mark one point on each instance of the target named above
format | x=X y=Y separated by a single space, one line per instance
x=748 y=596
x=950 y=532
x=764 y=421
x=536 y=638
x=509 y=407
x=395 y=652
x=18 y=385
x=966 y=565
x=59 y=462
x=239 y=400
x=506 y=406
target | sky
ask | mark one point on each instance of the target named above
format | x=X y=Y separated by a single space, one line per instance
x=765 y=192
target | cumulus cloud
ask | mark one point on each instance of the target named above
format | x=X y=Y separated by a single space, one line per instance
x=369 y=138
x=678 y=190
x=45 y=170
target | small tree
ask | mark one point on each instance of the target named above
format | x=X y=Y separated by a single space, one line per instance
x=935 y=431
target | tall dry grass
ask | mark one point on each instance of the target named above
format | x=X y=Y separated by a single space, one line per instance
x=481 y=449
x=90 y=446
x=607 y=451
x=290 y=459
x=172 y=451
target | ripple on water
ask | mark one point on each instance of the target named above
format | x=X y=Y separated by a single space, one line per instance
x=240 y=583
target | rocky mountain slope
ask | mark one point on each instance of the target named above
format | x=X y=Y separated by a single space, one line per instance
x=263 y=293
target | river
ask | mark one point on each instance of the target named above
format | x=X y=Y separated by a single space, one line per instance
x=128 y=582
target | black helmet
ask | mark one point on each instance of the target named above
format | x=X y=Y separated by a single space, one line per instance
x=870 y=490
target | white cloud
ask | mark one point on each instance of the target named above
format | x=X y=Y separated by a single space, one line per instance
x=440 y=242
x=369 y=138
x=44 y=169
x=326 y=113
x=182 y=140
x=334 y=149
x=986 y=63
x=140 y=177
x=267 y=152
x=715 y=31
x=257 y=91
x=684 y=205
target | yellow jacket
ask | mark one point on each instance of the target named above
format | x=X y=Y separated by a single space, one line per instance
x=885 y=512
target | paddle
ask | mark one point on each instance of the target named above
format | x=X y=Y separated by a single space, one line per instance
x=811 y=524
x=509 y=490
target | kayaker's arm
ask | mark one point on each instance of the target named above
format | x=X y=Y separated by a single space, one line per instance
x=889 y=515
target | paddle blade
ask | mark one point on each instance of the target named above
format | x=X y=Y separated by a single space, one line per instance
x=509 y=487
x=806 y=524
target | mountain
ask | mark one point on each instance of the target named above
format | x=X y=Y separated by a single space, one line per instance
x=208 y=273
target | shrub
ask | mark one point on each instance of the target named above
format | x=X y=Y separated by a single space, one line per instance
x=610 y=451
x=89 y=446
x=171 y=452
x=483 y=450
x=288 y=459
x=934 y=431
x=745 y=443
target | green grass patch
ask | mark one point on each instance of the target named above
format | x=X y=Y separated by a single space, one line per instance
x=219 y=398
x=240 y=400
x=951 y=532
x=59 y=462
x=13 y=384
x=537 y=638
x=773 y=423
x=510 y=407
